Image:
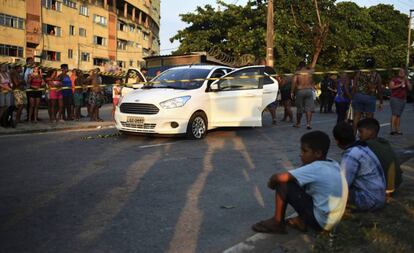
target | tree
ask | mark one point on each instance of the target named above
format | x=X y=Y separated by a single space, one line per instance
x=341 y=36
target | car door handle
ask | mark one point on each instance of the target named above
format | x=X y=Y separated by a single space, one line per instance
x=250 y=95
x=267 y=92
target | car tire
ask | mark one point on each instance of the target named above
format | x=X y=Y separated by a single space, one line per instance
x=197 y=126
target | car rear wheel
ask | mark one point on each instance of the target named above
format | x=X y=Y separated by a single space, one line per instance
x=197 y=126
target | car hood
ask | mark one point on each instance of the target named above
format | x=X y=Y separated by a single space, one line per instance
x=154 y=96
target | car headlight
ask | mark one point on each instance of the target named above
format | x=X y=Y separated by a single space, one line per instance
x=175 y=102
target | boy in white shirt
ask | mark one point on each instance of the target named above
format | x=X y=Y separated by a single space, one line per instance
x=317 y=190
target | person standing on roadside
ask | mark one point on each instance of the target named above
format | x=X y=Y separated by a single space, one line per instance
x=400 y=86
x=20 y=99
x=35 y=93
x=302 y=89
x=95 y=97
x=367 y=87
x=28 y=69
x=285 y=87
x=331 y=92
x=342 y=98
x=324 y=96
x=116 y=95
x=66 y=92
x=6 y=97
x=55 y=96
x=78 y=96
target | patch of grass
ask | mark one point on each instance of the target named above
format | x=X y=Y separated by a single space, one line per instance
x=389 y=230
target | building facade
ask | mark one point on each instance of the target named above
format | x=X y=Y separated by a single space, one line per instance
x=85 y=34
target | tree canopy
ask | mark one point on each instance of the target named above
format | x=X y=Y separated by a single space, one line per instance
x=353 y=32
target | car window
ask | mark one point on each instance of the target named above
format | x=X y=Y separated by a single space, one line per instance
x=216 y=74
x=268 y=72
x=267 y=80
x=244 y=79
x=184 y=78
x=134 y=76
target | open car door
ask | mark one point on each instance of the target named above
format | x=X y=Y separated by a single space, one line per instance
x=134 y=79
x=236 y=100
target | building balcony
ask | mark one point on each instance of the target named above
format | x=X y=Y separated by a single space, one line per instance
x=33 y=38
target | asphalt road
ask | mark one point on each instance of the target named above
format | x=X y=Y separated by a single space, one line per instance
x=93 y=191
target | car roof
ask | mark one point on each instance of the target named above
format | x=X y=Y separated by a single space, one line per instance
x=208 y=67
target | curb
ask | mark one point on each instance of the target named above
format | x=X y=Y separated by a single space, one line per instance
x=60 y=129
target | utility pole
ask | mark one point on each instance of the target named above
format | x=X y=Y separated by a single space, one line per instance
x=269 y=35
x=407 y=63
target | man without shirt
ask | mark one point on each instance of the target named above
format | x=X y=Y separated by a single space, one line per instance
x=302 y=89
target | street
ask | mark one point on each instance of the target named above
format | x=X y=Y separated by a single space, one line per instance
x=97 y=191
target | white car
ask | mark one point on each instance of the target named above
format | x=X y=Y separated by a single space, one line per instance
x=178 y=103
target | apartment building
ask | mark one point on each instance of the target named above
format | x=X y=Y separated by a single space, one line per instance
x=84 y=34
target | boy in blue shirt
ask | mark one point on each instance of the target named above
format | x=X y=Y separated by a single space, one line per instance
x=317 y=190
x=363 y=171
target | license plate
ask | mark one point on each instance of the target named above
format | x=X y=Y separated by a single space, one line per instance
x=135 y=120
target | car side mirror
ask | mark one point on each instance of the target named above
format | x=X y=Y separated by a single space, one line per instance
x=214 y=86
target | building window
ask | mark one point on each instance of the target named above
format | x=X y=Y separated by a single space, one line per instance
x=71 y=30
x=9 y=50
x=82 y=32
x=52 y=5
x=145 y=36
x=121 y=64
x=145 y=52
x=83 y=10
x=131 y=28
x=51 y=30
x=121 y=44
x=99 y=20
x=11 y=21
x=85 y=56
x=130 y=43
x=69 y=3
x=70 y=53
x=131 y=63
x=100 y=61
x=121 y=26
x=97 y=40
x=51 y=55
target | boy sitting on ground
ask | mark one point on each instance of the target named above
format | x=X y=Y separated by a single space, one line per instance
x=363 y=170
x=368 y=130
x=317 y=190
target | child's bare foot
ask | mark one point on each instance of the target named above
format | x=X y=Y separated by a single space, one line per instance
x=269 y=226
x=297 y=223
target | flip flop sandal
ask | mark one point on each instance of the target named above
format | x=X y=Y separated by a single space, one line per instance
x=263 y=227
x=294 y=225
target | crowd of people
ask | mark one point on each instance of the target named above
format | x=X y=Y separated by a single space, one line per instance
x=64 y=92
x=369 y=171
x=354 y=95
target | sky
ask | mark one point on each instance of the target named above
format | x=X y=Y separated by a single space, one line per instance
x=171 y=21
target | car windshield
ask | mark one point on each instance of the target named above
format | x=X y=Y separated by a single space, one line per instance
x=185 y=79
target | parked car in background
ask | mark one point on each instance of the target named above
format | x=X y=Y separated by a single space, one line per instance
x=183 y=101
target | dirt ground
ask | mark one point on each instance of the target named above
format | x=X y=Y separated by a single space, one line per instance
x=389 y=230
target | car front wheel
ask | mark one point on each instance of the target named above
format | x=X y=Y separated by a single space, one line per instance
x=197 y=126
